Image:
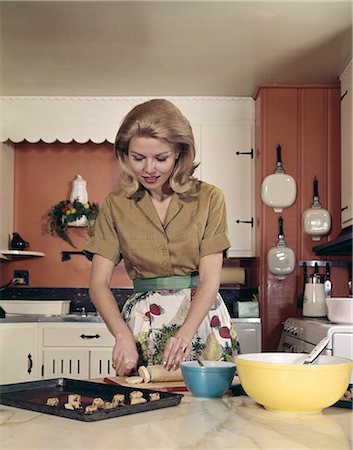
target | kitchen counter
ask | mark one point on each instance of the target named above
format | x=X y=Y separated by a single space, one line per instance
x=227 y=423
x=89 y=317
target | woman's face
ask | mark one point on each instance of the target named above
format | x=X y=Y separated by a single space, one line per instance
x=152 y=161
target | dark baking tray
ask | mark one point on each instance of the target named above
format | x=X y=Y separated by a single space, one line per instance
x=34 y=394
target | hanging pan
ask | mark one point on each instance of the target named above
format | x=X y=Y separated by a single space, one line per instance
x=281 y=259
x=279 y=190
x=316 y=221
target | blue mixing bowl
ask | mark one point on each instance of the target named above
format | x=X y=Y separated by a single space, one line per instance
x=211 y=381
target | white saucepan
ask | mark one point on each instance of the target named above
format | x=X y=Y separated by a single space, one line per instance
x=316 y=221
x=279 y=190
x=281 y=259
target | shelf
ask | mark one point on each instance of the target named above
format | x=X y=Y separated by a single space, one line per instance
x=341 y=246
x=8 y=255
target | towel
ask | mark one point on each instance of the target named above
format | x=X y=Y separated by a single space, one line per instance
x=233 y=275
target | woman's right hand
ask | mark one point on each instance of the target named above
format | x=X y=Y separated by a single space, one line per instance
x=125 y=355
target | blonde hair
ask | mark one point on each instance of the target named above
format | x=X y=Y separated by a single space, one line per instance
x=158 y=119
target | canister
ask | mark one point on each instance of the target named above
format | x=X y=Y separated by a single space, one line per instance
x=314 y=297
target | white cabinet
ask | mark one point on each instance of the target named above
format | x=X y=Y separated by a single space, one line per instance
x=76 y=350
x=18 y=356
x=227 y=162
x=346 y=147
x=249 y=335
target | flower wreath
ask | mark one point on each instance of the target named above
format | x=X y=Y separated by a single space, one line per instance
x=66 y=213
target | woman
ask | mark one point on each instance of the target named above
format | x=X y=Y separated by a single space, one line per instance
x=170 y=229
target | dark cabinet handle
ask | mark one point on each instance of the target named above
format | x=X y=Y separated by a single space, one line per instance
x=251 y=153
x=90 y=336
x=29 y=363
x=343 y=95
x=246 y=221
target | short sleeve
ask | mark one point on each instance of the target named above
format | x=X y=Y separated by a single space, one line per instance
x=215 y=237
x=105 y=241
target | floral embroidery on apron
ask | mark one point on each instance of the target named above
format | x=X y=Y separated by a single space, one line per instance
x=154 y=316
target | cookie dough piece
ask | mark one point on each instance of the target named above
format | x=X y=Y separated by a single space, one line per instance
x=109 y=405
x=159 y=373
x=74 y=401
x=118 y=400
x=144 y=373
x=136 y=397
x=71 y=398
x=99 y=402
x=52 y=401
x=136 y=394
x=91 y=409
x=134 y=380
x=154 y=396
x=69 y=406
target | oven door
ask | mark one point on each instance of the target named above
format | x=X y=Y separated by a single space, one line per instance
x=295 y=345
x=292 y=344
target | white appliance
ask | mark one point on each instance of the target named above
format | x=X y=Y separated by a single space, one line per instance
x=301 y=335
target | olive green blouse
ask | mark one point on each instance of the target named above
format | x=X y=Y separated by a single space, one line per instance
x=129 y=228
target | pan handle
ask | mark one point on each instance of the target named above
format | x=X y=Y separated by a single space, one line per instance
x=280 y=226
x=316 y=187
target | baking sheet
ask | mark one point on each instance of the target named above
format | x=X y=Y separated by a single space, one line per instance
x=33 y=396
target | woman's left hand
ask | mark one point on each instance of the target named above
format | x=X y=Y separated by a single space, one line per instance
x=177 y=350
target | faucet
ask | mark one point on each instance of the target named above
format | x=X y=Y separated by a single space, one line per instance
x=83 y=311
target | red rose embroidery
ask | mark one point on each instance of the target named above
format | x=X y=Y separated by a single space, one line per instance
x=224 y=332
x=148 y=314
x=155 y=309
x=215 y=322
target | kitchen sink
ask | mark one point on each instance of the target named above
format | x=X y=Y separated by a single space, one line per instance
x=88 y=317
x=75 y=317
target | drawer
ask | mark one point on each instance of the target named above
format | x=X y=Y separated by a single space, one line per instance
x=80 y=336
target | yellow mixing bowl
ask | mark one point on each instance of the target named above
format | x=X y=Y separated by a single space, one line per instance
x=280 y=383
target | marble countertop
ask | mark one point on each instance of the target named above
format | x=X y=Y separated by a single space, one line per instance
x=227 y=423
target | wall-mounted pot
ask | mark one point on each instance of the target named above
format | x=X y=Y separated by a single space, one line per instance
x=316 y=221
x=279 y=190
x=281 y=259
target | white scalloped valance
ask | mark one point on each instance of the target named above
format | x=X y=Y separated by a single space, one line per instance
x=96 y=119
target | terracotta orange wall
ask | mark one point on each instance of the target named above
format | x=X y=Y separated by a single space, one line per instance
x=43 y=176
x=305 y=121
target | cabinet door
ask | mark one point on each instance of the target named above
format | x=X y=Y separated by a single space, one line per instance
x=66 y=362
x=346 y=148
x=101 y=363
x=17 y=353
x=234 y=175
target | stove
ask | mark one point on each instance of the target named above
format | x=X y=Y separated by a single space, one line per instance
x=300 y=335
